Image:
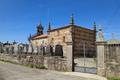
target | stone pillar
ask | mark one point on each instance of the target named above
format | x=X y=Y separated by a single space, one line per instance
x=15 y=49
x=101 y=58
x=70 y=56
x=25 y=49
x=30 y=48
x=100 y=53
x=0 y=48
x=35 y=50
x=2 y=51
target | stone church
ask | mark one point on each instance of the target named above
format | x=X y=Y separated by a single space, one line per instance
x=83 y=39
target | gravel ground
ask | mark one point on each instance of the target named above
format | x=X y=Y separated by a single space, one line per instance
x=10 y=71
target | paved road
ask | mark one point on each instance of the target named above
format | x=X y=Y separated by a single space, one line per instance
x=10 y=71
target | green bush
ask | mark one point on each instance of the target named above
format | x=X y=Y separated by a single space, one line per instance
x=43 y=67
x=40 y=66
x=31 y=65
x=113 y=78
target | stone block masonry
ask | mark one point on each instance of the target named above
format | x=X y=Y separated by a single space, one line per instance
x=37 y=61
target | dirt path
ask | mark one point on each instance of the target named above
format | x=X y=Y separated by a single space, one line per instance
x=10 y=71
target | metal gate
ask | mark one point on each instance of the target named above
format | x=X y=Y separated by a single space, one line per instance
x=87 y=65
x=84 y=63
x=92 y=70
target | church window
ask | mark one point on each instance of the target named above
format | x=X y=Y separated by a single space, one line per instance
x=58 y=33
x=52 y=40
x=63 y=38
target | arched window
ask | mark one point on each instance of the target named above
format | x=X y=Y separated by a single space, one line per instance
x=63 y=38
x=52 y=40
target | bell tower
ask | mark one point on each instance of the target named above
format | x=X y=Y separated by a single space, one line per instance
x=39 y=29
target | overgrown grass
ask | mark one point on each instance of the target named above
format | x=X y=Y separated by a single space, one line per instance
x=8 y=61
x=113 y=78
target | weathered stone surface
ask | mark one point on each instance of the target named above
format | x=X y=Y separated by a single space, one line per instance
x=59 y=37
x=15 y=48
x=70 y=57
x=34 y=49
x=30 y=48
x=101 y=58
x=51 y=63
x=49 y=50
x=42 y=50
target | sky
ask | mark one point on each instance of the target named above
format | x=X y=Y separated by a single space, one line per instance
x=19 y=18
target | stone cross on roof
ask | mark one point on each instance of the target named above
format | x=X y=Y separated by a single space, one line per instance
x=72 y=20
x=100 y=35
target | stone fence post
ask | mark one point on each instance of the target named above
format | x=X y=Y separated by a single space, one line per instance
x=101 y=58
x=70 y=62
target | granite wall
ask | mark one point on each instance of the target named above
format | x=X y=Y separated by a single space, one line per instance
x=112 y=60
x=37 y=61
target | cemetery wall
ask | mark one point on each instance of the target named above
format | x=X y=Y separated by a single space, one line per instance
x=112 y=60
x=37 y=61
x=108 y=59
x=9 y=58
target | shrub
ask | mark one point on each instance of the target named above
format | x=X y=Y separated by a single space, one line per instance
x=40 y=66
x=113 y=78
x=31 y=65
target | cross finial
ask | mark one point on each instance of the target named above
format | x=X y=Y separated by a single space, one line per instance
x=94 y=25
x=100 y=28
x=29 y=38
x=100 y=34
x=49 y=26
x=72 y=20
x=113 y=36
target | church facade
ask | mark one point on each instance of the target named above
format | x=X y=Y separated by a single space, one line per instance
x=81 y=38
